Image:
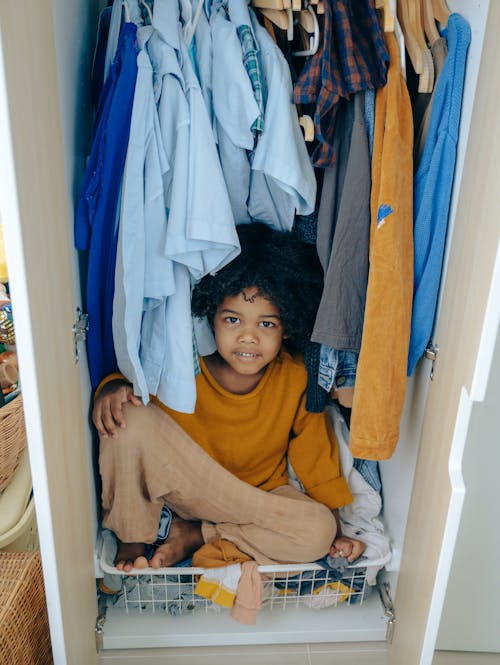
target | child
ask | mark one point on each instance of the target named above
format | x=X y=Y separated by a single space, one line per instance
x=223 y=469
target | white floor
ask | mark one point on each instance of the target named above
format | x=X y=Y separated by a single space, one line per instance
x=368 y=653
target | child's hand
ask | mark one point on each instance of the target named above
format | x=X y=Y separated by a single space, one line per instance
x=351 y=548
x=107 y=414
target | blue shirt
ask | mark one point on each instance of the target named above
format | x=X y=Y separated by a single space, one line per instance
x=97 y=210
x=282 y=180
x=180 y=230
x=433 y=186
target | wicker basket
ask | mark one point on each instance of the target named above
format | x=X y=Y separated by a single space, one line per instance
x=12 y=439
x=24 y=626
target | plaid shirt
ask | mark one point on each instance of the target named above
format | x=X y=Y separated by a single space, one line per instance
x=352 y=57
x=251 y=60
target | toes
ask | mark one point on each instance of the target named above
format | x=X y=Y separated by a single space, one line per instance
x=157 y=561
x=141 y=562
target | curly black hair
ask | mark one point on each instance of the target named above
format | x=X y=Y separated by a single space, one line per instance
x=285 y=270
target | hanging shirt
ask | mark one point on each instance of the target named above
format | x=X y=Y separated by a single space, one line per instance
x=97 y=210
x=433 y=186
x=351 y=57
x=203 y=235
x=144 y=275
x=235 y=110
x=344 y=233
x=381 y=374
x=282 y=180
x=135 y=16
x=188 y=224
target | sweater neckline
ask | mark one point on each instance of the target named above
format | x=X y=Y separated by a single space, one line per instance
x=235 y=396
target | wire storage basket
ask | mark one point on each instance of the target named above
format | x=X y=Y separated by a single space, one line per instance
x=173 y=590
x=12 y=439
x=24 y=626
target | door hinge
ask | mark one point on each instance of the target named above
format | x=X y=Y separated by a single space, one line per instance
x=99 y=622
x=384 y=590
x=431 y=353
x=80 y=328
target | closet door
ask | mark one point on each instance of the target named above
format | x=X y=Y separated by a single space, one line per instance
x=33 y=200
x=466 y=334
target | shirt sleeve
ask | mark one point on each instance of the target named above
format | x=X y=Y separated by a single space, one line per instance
x=314 y=455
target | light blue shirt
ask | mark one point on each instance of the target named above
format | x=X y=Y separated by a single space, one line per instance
x=199 y=234
x=141 y=284
x=282 y=178
x=235 y=110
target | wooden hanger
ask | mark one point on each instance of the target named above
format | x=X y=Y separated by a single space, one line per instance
x=278 y=12
x=277 y=16
x=441 y=11
x=418 y=23
x=430 y=27
x=272 y=4
x=307 y=124
x=387 y=14
x=411 y=24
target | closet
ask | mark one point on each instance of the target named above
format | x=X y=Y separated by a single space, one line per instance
x=45 y=119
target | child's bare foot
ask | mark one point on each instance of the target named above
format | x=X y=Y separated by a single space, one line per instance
x=130 y=555
x=184 y=538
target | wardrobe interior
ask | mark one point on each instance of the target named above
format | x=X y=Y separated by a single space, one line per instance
x=76 y=24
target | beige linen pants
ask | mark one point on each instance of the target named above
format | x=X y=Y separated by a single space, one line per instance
x=154 y=461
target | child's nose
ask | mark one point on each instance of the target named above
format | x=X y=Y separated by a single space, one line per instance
x=248 y=335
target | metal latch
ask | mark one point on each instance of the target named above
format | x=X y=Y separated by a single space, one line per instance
x=80 y=328
x=384 y=590
x=431 y=353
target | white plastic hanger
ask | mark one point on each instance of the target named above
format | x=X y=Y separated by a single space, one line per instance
x=189 y=34
x=126 y=10
x=314 y=38
x=148 y=10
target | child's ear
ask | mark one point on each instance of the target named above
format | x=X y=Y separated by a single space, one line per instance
x=286 y=336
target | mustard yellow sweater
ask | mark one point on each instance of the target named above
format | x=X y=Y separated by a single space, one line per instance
x=250 y=434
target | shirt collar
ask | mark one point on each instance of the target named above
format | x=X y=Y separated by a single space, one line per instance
x=166 y=21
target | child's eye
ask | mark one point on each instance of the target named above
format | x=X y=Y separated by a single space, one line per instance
x=267 y=324
x=232 y=319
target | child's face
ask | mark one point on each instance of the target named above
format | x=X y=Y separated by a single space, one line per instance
x=248 y=332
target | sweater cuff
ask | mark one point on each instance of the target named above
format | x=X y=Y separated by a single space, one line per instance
x=107 y=379
x=334 y=493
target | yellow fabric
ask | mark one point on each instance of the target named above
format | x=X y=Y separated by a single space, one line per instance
x=381 y=373
x=218 y=553
x=4 y=275
x=213 y=590
x=250 y=434
x=111 y=377
x=340 y=588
